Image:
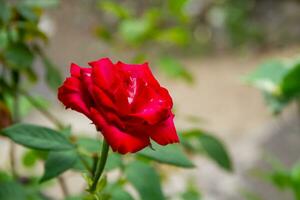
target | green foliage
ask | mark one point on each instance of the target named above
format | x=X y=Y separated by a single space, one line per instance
x=12 y=190
x=171 y=154
x=21 y=37
x=285 y=179
x=37 y=137
x=174 y=68
x=137 y=173
x=58 y=162
x=279 y=81
x=198 y=140
x=165 y=25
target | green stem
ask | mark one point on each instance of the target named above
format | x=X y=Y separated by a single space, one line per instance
x=100 y=166
x=16 y=117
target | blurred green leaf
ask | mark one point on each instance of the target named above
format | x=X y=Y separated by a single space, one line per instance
x=29 y=158
x=31 y=31
x=40 y=3
x=58 y=162
x=173 y=36
x=114 y=161
x=92 y=145
x=27 y=12
x=52 y=75
x=135 y=30
x=19 y=56
x=174 y=68
x=117 y=192
x=5 y=11
x=216 y=150
x=268 y=76
x=37 y=137
x=114 y=8
x=137 y=172
x=291 y=82
x=213 y=147
x=10 y=190
x=171 y=154
x=3 y=38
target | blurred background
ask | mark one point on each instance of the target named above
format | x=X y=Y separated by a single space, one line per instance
x=208 y=53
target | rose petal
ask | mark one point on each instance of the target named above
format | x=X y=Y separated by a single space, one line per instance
x=164 y=133
x=141 y=71
x=152 y=105
x=104 y=73
x=119 y=141
x=71 y=94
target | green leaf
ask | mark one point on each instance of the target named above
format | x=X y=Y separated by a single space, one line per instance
x=29 y=158
x=118 y=193
x=171 y=154
x=145 y=179
x=52 y=75
x=91 y=145
x=213 y=147
x=114 y=8
x=5 y=11
x=135 y=30
x=216 y=150
x=3 y=38
x=58 y=162
x=27 y=12
x=291 y=83
x=174 y=36
x=268 y=76
x=114 y=161
x=40 y=3
x=10 y=190
x=37 y=137
x=19 y=56
x=174 y=68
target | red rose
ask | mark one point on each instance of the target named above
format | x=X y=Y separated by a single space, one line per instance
x=124 y=101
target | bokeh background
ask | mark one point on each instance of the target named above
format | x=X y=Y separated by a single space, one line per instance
x=201 y=50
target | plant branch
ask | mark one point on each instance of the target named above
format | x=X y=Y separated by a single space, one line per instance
x=100 y=166
x=16 y=117
x=63 y=186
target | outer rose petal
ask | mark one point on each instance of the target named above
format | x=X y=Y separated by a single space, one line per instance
x=152 y=105
x=104 y=73
x=139 y=71
x=119 y=141
x=164 y=133
x=73 y=96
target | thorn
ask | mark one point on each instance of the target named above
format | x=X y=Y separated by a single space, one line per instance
x=151 y=147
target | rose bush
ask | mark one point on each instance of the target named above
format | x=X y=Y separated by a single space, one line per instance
x=124 y=101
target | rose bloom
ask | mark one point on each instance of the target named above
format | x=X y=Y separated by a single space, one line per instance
x=124 y=101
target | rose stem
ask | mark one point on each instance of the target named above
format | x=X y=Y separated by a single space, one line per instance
x=63 y=186
x=100 y=166
x=16 y=119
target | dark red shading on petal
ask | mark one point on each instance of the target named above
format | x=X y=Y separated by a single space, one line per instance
x=119 y=141
x=164 y=133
